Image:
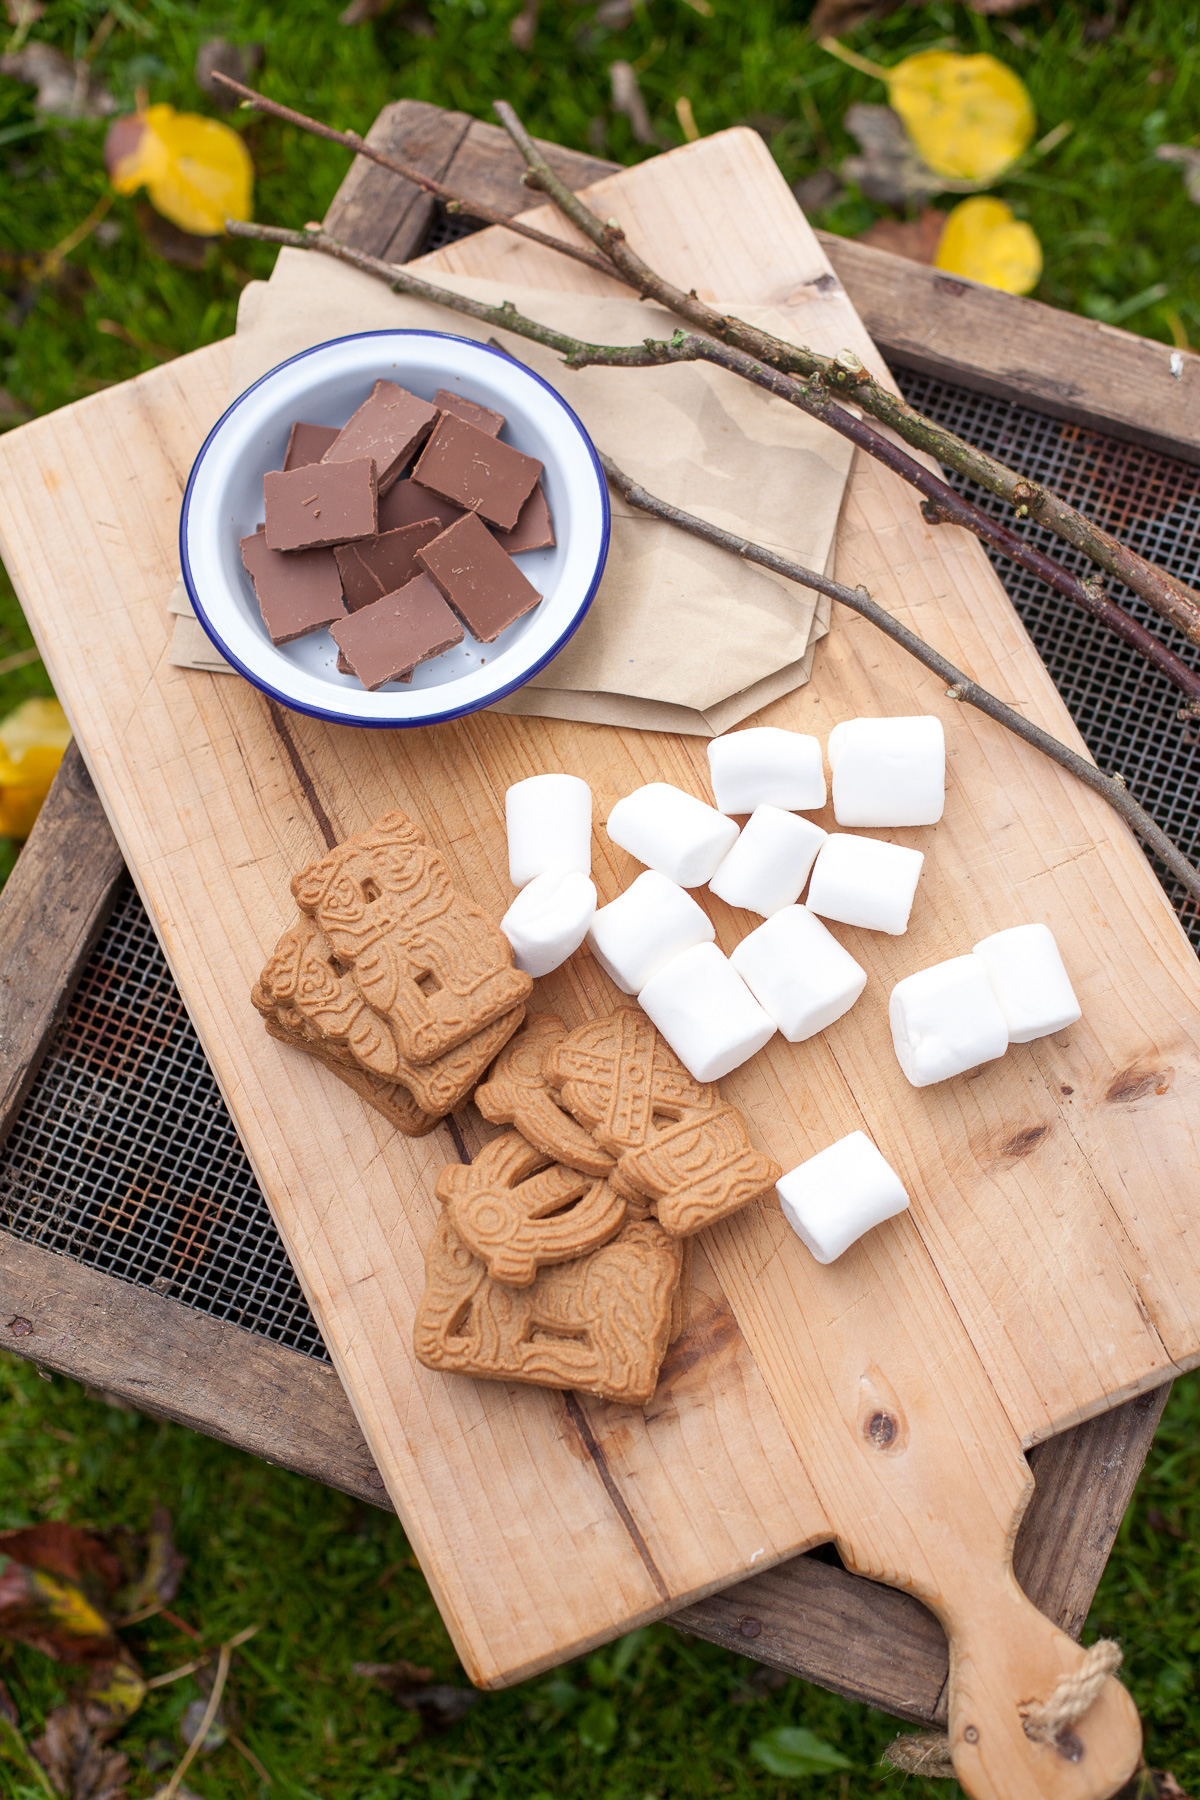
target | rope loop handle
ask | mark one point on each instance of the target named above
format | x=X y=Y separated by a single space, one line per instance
x=928 y=1752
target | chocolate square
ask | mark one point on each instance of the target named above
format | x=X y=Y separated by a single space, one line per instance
x=407 y=501
x=533 y=529
x=325 y=503
x=470 y=411
x=308 y=444
x=296 y=593
x=480 y=580
x=381 y=565
x=385 y=641
x=390 y=426
x=477 y=472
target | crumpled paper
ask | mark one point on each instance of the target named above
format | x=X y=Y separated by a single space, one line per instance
x=681 y=636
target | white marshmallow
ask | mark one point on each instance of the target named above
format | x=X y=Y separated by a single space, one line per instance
x=798 y=972
x=549 y=919
x=888 y=771
x=1029 y=981
x=946 y=1020
x=865 y=882
x=769 y=864
x=672 y=832
x=549 y=826
x=636 y=934
x=766 y=766
x=706 y=1012
x=840 y=1193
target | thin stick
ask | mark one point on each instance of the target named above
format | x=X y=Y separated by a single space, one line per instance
x=454 y=202
x=224 y=1658
x=812 y=397
x=959 y=686
x=1170 y=597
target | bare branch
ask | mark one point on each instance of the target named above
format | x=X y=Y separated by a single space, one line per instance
x=942 y=503
x=453 y=201
x=1172 y=598
x=958 y=686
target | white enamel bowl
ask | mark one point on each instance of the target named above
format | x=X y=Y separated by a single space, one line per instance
x=224 y=503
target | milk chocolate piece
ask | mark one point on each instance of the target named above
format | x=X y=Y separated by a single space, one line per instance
x=308 y=444
x=406 y=502
x=296 y=594
x=477 y=472
x=482 y=417
x=480 y=580
x=533 y=530
x=386 y=641
x=390 y=425
x=382 y=565
x=325 y=503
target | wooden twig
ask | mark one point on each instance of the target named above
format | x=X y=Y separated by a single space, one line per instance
x=224 y=1657
x=958 y=686
x=453 y=201
x=810 y=396
x=845 y=373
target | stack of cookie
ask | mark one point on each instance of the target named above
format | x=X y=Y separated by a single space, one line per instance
x=391 y=978
x=560 y=1255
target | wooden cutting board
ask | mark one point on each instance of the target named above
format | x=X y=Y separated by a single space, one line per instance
x=1049 y=1266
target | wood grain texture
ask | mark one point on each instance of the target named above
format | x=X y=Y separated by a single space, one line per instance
x=387 y=216
x=1059 y=362
x=52 y=910
x=1071 y=367
x=807 y=1617
x=1020 y=1293
x=165 y=1358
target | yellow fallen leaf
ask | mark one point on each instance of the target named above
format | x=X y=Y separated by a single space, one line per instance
x=969 y=117
x=32 y=742
x=984 y=242
x=196 y=171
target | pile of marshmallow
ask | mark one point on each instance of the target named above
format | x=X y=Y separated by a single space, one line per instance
x=791 y=974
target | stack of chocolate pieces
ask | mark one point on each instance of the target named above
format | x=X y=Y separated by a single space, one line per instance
x=391 y=978
x=560 y=1257
x=398 y=565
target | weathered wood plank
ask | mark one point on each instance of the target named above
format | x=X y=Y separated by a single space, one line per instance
x=53 y=907
x=180 y=1364
x=1071 y=367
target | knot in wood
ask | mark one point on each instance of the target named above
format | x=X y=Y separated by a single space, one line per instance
x=881 y=1428
x=21 y=1327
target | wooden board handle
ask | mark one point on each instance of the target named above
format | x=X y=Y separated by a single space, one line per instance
x=1004 y=1657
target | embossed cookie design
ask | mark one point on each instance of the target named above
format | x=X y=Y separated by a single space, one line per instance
x=519 y=1212
x=426 y=959
x=304 y=975
x=517 y=1093
x=600 y=1325
x=677 y=1144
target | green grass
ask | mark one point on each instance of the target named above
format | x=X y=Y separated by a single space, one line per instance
x=333 y=1583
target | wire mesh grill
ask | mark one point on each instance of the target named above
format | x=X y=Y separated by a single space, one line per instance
x=124 y=1154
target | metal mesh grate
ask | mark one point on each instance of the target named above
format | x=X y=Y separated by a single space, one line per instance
x=1127 y=712
x=124 y=1154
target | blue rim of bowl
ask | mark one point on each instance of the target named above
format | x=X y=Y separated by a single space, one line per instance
x=444 y=716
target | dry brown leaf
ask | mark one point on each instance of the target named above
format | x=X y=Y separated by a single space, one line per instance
x=219 y=57
x=916 y=239
x=73 y=1755
x=524 y=27
x=833 y=17
x=64 y=88
x=889 y=169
